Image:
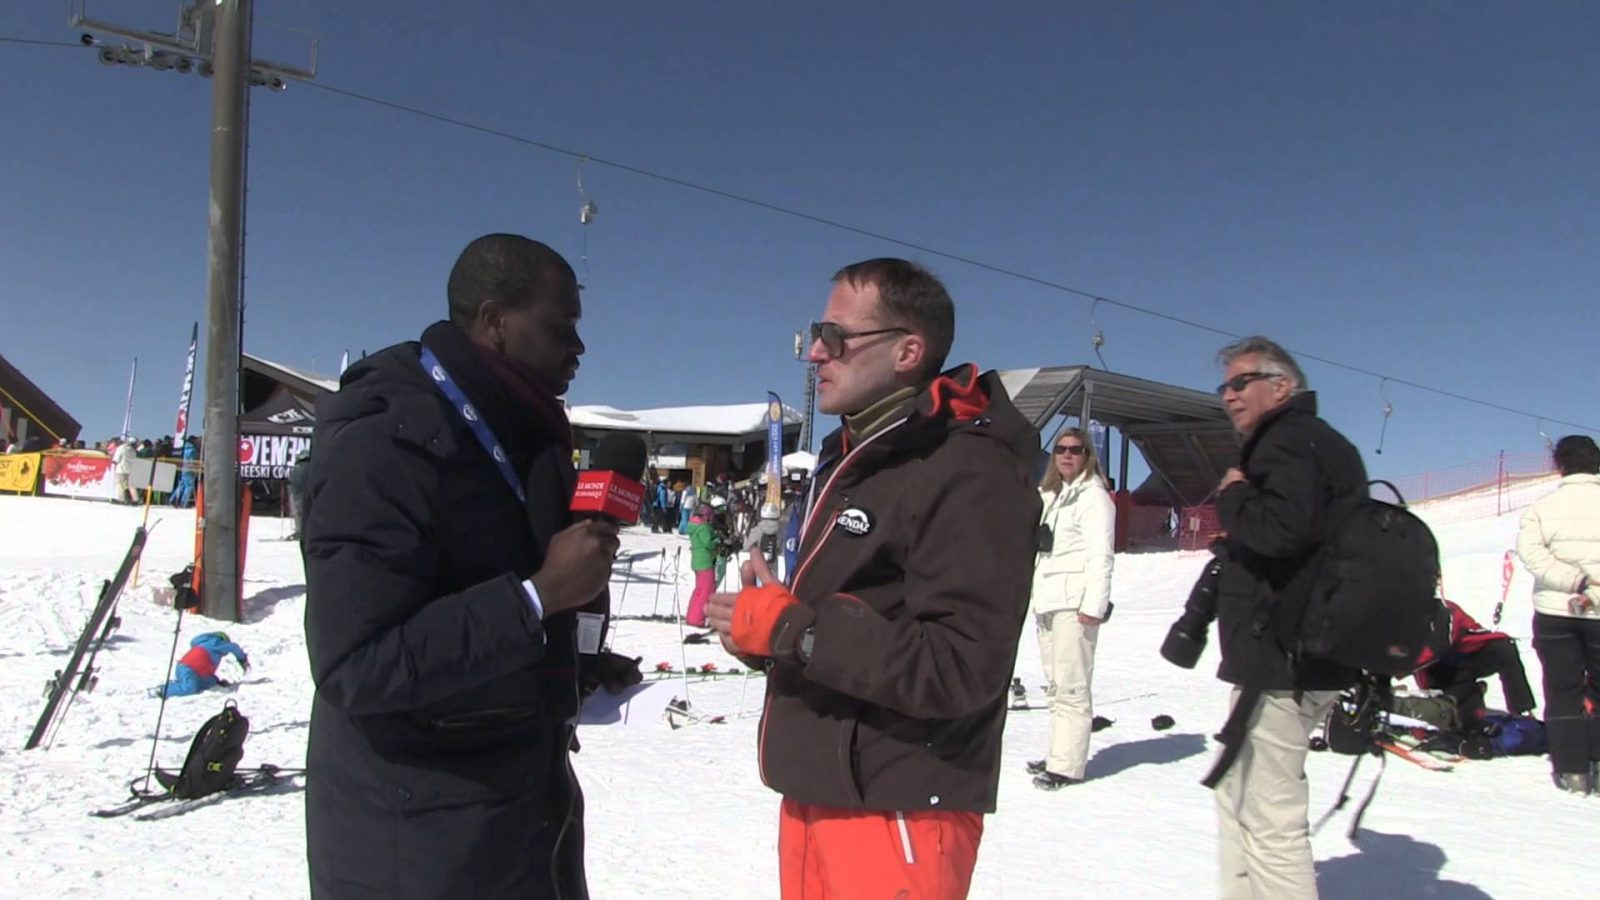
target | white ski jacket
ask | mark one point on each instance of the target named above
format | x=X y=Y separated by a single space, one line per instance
x=1559 y=543
x=1075 y=573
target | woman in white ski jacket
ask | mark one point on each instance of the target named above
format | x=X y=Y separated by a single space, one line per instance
x=1559 y=543
x=1071 y=597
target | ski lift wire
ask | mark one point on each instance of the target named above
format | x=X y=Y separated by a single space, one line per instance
x=889 y=239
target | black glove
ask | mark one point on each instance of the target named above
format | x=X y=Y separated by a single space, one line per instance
x=608 y=670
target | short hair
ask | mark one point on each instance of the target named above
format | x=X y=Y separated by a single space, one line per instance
x=910 y=297
x=1274 y=359
x=1576 y=454
x=508 y=268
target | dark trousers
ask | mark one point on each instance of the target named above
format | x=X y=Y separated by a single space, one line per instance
x=1457 y=676
x=1569 y=650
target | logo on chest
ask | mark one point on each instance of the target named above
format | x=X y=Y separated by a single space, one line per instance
x=855 y=522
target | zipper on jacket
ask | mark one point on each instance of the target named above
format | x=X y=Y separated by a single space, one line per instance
x=572 y=778
x=794 y=581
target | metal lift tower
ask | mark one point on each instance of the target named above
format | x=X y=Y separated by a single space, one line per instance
x=213 y=38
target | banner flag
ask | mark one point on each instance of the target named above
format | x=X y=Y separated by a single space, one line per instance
x=127 y=411
x=187 y=394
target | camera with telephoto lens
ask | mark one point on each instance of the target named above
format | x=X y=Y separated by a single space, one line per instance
x=1187 y=638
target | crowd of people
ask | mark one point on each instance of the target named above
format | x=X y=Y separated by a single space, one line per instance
x=122 y=451
x=457 y=612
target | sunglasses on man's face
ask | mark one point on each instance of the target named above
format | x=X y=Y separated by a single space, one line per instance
x=1073 y=449
x=833 y=336
x=1243 y=380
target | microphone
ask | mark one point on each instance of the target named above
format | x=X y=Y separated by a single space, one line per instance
x=610 y=488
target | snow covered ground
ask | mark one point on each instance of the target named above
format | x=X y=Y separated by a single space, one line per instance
x=681 y=812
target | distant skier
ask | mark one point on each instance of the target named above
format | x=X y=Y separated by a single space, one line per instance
x=197 y=671
x=183 y=496
x=703 y=560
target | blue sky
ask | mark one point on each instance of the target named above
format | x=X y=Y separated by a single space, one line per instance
x=1405 y=187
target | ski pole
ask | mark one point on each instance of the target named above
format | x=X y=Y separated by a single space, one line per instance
x=683 y=653
x=627 y=576
x=155 y=739
x=661 y=574
x=145 y=524
x=677 y=573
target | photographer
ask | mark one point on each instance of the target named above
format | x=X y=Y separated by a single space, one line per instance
x=1275 y=510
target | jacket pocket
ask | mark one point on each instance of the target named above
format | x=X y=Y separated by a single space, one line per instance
x=1056 y=591
x=849 y=767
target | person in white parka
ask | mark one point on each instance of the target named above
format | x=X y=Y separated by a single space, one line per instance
x=1559 y=542
x=1071 y=597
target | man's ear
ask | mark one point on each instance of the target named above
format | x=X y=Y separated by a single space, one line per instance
x=487 y=327
x=912 y=351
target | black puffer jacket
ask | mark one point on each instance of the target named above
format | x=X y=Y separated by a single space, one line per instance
x=1297 y=467
x=441 y=724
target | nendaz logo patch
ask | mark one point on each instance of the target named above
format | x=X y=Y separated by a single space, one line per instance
x=855 y=522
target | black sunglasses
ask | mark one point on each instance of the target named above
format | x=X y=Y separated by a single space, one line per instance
x=833 y=336
x=1243 y=380
x=1074 y=449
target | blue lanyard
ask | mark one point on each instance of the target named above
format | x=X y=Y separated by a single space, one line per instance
x=475 y=423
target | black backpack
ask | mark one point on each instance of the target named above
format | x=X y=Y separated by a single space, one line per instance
x=1372 y=602
x=1368 y=600
x=218 y=746
x=183 y=595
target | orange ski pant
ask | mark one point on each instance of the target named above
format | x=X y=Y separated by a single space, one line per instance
x=836 y=854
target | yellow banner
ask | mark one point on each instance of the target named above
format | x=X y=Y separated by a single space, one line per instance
x=19 y=471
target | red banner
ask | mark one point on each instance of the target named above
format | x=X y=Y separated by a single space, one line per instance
x=75 y=475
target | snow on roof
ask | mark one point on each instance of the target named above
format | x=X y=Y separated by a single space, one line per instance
x=733 y=419
x=328 y=383
x=800 y=459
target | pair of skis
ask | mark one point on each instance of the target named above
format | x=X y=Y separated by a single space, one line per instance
x=80 y=674
x=150 y=806
x=1414 y=751
x=665 y=671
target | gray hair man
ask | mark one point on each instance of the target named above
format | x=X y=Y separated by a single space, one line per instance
x=1275 y=506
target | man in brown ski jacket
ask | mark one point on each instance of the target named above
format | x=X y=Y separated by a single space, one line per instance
x=890 y=651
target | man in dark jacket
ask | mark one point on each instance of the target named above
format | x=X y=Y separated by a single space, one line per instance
x=1276 y=509
x=891 y=648
x=299 y=476
x=446 y=583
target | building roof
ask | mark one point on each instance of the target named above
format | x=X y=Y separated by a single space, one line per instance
x=300 y=380
x=739 y=420
x=25 y=397
x=1183 y=433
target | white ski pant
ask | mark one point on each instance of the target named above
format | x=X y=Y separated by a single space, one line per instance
x=1066 y=648
x=1262 y=802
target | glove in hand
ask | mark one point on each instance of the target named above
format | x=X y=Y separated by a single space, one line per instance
x=608 y=670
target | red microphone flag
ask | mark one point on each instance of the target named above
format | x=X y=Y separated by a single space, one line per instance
x=608 y=494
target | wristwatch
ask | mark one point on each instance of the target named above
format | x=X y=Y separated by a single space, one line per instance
x=808 y=639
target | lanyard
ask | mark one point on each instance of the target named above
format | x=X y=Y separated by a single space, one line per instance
x=469 y=414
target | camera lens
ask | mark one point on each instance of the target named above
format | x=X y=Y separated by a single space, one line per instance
x=1187 y=638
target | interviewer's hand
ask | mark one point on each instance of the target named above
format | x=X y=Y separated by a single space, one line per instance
x=719 y=609
x=577 y=565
